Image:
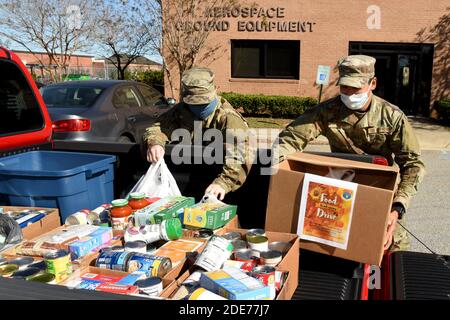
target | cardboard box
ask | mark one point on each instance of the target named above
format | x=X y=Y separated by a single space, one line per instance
x=209 y=215
x=373 y=201
x=290 y=264
x=50 y=222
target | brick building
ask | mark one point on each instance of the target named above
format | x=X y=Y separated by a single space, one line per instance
x=275 y=47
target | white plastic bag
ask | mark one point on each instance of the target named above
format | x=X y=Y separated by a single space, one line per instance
x=341 y=174
x=157 y=182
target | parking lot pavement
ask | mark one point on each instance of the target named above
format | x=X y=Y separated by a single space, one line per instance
x=429 y=215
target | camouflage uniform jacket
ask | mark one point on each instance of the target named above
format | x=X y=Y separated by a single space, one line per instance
x=237 y=163
x=383 y=130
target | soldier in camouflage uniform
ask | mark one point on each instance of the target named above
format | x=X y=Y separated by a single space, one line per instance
x=359 y=122
x=202 y=104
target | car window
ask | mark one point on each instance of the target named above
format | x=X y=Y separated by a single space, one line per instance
x=68 y=96
x=19 y=109
x=126 y=97
x=151 y=96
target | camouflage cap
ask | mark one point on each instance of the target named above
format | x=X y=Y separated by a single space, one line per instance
x=198 y=86
x=356 y=70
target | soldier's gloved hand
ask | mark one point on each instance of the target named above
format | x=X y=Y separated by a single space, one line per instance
x=216 y=190
x=392 y=222
x=154 y=153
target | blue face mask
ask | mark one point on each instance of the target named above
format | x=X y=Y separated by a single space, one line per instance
x=203 y=111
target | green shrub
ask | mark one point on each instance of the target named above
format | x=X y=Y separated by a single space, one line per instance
x=443 y=108
x=274 y=106
x=152 y=78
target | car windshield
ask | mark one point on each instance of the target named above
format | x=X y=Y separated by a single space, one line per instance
x=68 y=96
x=19 y=109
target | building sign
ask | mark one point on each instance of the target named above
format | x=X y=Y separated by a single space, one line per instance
x=249 y=19
x=323 y=75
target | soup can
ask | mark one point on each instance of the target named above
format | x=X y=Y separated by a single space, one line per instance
x=266 y=275
x=283 y=247
x=114 y=260
x=255 y=232
x=247 y=255
x=260 y=243
x=152 y=286
x=79 y=217
x=154 y=266
x=233 y=235
x=271 y=258
x=58 y=264
x=238 y=245
x=136 y=246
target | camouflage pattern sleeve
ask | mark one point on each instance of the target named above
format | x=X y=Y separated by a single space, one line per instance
x=161 y=131
x=296 y=136
x=405 y=146
x=239 y=155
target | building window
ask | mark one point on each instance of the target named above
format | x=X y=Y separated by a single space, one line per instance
x=272 y=59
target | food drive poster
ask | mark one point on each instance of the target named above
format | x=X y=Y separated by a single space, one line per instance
x=326 y=210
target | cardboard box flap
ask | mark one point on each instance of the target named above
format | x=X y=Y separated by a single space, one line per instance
x=337 y=162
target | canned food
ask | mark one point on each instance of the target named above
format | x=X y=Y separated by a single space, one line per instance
x=99 y=215
x=114 y=260
x=217 y=251
x=151 y=286
x=154 y=265
x=79 y=217
x=266 y=275
x=7 y=270
x=234 y=235
x=254 y=233
x=22 y=262
x=283 y=247
x=271 y=258
x=41 y=265
x=260 y=243
x=247 y=255
x=58 y=263
x=3 y=261
x=43 y=277
x=23 y=274
x=136 y=246
x=244 y=266
x=204 y=234
x=239 y=245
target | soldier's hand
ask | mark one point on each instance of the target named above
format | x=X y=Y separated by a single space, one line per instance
x=154 y=153
x=392 y=222
x=216 y=190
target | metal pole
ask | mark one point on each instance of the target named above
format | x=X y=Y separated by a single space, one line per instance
x=320 y=92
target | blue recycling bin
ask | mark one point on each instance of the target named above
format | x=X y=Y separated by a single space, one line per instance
x=69 y=181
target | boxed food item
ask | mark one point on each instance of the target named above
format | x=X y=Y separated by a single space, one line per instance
x=85 y=245
x=368 y=224
x=163 y=209
x=209 y=215
x=62 y=237
x=234 y=284
x=35 y=221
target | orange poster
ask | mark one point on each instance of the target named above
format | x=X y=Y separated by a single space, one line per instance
x=326 y=210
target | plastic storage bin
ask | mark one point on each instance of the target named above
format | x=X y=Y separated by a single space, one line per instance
x=69 y=181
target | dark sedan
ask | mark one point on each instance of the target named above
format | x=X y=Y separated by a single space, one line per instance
x=100 y=110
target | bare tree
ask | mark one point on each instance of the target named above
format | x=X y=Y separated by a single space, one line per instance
x=123 y=33
x=184 y=27
x=57 y=27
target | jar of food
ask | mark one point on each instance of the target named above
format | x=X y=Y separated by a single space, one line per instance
x=120 y=213
x=138 y=201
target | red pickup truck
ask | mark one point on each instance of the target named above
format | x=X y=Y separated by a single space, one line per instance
x=26 y=125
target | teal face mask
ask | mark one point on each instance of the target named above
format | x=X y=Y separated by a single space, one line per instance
x=203 y=111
